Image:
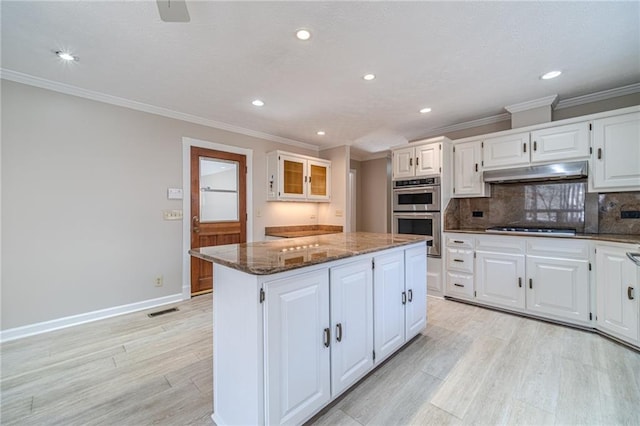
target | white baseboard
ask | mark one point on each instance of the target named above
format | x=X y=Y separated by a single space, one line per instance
x=56 y=324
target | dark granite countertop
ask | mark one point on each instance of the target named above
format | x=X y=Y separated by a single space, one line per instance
x=270 y=257
x=296 y=231
x=614 y=238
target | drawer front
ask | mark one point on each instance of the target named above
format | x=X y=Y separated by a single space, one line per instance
x=454 y=240
x=558 y=247
x=460 y=259
x=459 y=284
x=512 y=245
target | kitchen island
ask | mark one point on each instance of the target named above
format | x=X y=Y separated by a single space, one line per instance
x=297 y=322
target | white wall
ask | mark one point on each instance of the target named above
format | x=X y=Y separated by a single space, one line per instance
x=83 y=188
x=340 y=164
x=375 y=198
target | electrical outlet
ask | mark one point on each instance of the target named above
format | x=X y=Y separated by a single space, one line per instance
x=172 y=214
x=313 y=216
x=159 y=281
x=339 y=213
x=258 y=213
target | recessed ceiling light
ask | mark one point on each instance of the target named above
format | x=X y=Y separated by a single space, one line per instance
x=425 y=110
x=258 y=102
x=321 y=133
x=550 y=75
x=303 y=34
x=66 y=56
x=369 y=77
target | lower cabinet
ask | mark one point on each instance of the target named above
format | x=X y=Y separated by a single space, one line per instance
x=618 y=292
x=548 y=277
x=319 y=328
x=296 y=348
x=401 y=300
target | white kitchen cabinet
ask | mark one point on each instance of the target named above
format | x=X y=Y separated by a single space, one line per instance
x=400 y=294
x=352 y=323
x=500 y=279
x=388 y=279
x=458 y=258
x=560 y=143
x=558 y=288
x=294 y=177
x=434 y=276
x=506 y=151
x=467 y=171
x=297 y=347
x=618 y=292
x=417 y=161
x=615 y=161
x=416 y=290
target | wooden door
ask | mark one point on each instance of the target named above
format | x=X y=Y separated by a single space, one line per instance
x=218 y=207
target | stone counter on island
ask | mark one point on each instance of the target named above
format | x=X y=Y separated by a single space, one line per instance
x=297 y=322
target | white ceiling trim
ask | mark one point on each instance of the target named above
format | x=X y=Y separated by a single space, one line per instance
x=67 y=89
x=599 y=96
x=535 y=103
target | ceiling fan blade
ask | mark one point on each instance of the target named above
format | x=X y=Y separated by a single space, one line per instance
x=173 y=10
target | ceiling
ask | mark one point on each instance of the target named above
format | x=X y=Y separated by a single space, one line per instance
x=465 y=60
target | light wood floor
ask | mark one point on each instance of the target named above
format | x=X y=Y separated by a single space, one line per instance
x=471 y=366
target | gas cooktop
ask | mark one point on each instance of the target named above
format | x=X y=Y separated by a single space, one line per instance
x=567 y=232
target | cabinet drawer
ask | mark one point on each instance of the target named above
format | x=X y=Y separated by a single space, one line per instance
x=460 y=284
x=459 y=241
x=460 y=259
x=512 y=245
x=559 y=248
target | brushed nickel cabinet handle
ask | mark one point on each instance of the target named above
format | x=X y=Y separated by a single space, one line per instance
x=339 y=332
x=410 y=295
x=635 y=257
x=404 y=298
x=327 y=337
x=630 y=293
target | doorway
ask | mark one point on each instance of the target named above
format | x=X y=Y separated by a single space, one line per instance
x=218 y=207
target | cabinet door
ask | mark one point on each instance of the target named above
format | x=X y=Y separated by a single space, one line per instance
x=558 y=287
x=467 y=178
x=352 y=323
x=434 y=276
x=388 y=286
x=416 y=288
x=403 y=163
x=560 y=143
x=319 y=180
x=616 y=150
x=297 y=375
x=292 y=177
x=500 y=279
x=618 y=308
x=428 y=159
x=506 y=151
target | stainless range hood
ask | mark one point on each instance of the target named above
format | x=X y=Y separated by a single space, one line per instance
x=546 y=172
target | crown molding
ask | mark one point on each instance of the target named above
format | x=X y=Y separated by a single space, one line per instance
x=67 y=89
x=599 y=96
x=535 y=103
x=468 y=125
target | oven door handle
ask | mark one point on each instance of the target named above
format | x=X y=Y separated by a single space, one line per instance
x=414 y=216
x=417 y=190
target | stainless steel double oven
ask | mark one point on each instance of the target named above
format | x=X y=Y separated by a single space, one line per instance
x=416 y=210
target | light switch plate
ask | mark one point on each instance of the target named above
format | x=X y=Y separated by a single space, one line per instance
x=174 y=193
x=172 y=214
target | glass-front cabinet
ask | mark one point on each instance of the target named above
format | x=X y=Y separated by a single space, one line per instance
x=293 y=177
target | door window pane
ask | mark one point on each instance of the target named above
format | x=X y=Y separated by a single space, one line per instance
x=318 y=180
x=218 y=190
x=293 y=177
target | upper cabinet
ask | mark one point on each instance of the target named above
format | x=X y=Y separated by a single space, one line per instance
x=560 y=143
x=467 y=171
x=417 y=161
x=293 y=177
x=615 y=162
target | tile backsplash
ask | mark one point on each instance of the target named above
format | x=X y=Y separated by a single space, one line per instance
x=546 y=204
